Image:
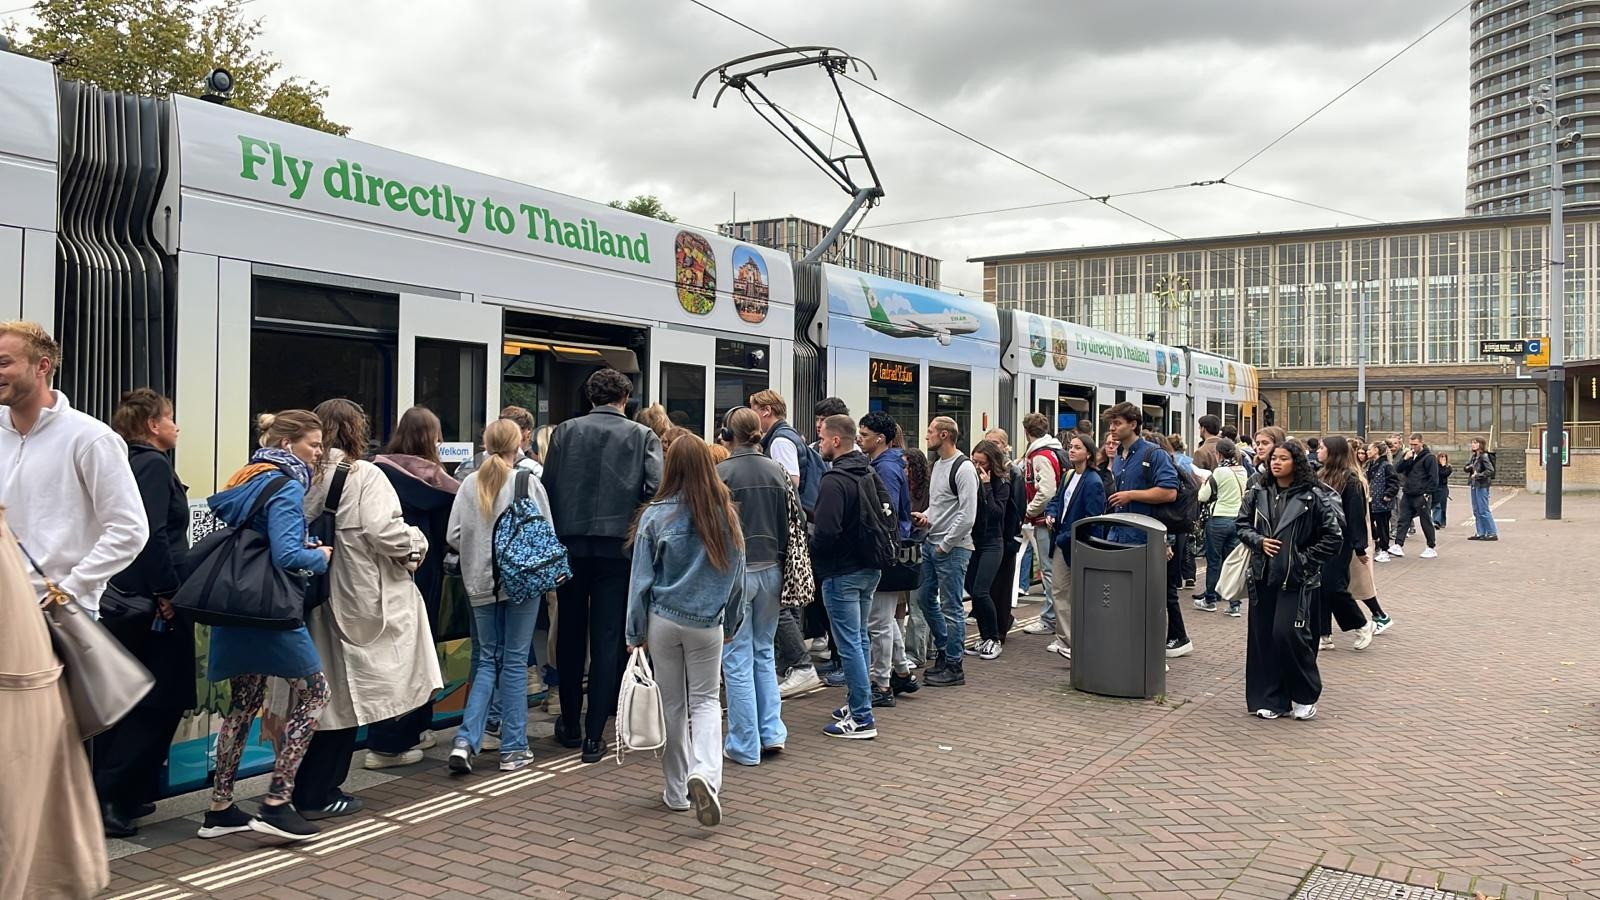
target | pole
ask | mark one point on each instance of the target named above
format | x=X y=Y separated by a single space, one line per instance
x=1361 y=367
x=1555 y=399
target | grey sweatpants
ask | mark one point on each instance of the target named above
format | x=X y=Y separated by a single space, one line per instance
x=688 y=667
x=1060 y=591
x=884 y=635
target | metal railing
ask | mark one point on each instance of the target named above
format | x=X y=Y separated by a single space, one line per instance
x=1580 y=436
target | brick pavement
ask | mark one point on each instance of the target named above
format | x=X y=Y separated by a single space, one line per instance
x=1458 y=752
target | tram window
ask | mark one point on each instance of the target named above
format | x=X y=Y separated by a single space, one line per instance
x=290 y=370
x=1214 y=408
x=683 y=393
x=892 y=387
x=451 y=381
x=296 y=301
x=1077 y=405
x=743 y=368
x=950 y=394
x=520 y=381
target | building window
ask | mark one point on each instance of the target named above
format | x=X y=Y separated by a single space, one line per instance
x=1483 y=291
x=1292 y=305
x=1341 y=412
x=1327 y=303
x=1036 y=288
x=1257 y=323
x=1221 y=305
x=1123 y=318
x=1519 y=409
x=1064 y=276
x=1386 y=411
x=1429 y=410
x=1305 y=412
x=1096 y=288
x=1443 y=313
x=1006 y=279
x=1475 y=411
x=1527 y=278
x=1405 y=271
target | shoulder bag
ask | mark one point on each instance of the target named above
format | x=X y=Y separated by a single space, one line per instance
x=641 y=723
x=104 y=681
x=319 y=588
x=233 y=579
x=1235 y=572
x=799 y=582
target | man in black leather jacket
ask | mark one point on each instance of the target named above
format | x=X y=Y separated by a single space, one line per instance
x=600 y=468
x=1419 y=479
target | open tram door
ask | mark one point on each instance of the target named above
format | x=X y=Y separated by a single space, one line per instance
x=443 y=361
x=1155 y=407
x=699 y=376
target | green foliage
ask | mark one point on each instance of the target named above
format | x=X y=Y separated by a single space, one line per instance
x=644 y=205
x=161 y=47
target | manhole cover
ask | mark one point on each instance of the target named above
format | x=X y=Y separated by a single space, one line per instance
x=1333 y=884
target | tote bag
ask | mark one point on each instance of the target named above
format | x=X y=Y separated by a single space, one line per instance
x=641 y=723
x=1235 y=571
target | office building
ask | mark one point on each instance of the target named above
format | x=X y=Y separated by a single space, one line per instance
x=797 y=237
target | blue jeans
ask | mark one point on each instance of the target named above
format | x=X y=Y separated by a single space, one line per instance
x=1025 y=567
x=755 y=714
x=944 y=575
x=1441 y=500
x=1482 y=518
x=1222 y=535
x=1043 y=540
x=848 y=599
x=505 y=631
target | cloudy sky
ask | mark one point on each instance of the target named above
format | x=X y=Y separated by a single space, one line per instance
x=592 y=99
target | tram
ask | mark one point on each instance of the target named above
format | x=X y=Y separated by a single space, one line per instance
x=240 y=264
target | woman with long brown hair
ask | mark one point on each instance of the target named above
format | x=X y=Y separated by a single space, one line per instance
x=988 y=537
x=688 y=579
x=1349 y=570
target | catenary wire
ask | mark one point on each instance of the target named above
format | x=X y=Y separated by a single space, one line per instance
x=1234 y=184
x=1337 y=97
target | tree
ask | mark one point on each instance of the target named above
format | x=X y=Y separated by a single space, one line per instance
x=162 y=47
x=644 y=205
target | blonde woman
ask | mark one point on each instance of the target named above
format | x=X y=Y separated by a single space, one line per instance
x=502 y=629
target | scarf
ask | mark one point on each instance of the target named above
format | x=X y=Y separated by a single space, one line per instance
x=282 y=459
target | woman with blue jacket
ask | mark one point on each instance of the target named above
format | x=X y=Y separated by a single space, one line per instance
x=1083 y=496
x=688 y=579
x=291 y=445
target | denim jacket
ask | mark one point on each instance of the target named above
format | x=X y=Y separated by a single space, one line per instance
x=673 y=576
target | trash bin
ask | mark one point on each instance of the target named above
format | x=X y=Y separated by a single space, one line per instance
x=1119 y=609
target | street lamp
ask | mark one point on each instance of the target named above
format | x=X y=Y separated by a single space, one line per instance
x=1361 y=355
x=1544 y=105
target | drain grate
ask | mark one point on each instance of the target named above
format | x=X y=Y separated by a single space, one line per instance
x=1334 y=884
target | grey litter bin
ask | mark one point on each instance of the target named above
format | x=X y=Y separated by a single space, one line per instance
x=1119 y=609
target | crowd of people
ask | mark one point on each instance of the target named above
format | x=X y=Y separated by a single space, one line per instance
x=760 y=562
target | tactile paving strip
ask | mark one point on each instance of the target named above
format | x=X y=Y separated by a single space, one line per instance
x=1335 y=884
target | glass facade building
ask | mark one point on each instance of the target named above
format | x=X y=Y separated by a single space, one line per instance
x=1514 y=43
x=1290 y=303
x=797 y=237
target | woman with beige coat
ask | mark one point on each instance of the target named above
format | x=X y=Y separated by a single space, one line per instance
x=50 y=842
x=373 y=636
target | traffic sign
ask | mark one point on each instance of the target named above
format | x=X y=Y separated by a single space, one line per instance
x=1538 y=352
x=1503 y=348
x=1566 y=448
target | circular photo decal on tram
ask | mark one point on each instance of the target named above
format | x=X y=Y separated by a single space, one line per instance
x=1161 y=367
x=1036 y=342
x=1233 y=379
x=750 y=285
x=1172 y=367
x=697 y=274
x=1058 y=345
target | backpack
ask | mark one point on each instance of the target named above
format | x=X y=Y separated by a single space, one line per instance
x=811 y=464
x=1058 y=457
x=529 y=560
x=232 y=579
x=319 y=589
x=1182 y=511
x=880 y=527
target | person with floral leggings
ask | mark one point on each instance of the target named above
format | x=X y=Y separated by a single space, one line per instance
x=291 y=445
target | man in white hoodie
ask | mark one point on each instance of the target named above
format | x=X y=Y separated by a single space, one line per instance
x=1045 y=463
x=65 y=483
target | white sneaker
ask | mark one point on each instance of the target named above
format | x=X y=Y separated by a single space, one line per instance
x=428 y=742
x=1175 y=649
x=1303 y=711
x=1059 y=649
x=1265 y=714
x=491 y=741
x=818 y=645
x=1382 y=556
x=799 y=680
x=1326 y=643
x=1039 y=627
x=376 y=760
x=1364 y=635
x=1394 y=550
x=1430 y=553
x=989 y=650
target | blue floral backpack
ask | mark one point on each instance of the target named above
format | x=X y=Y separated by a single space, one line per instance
x=529 y=560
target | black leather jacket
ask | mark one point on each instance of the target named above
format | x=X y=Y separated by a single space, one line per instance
x=1307 y=525
x=599 y=470
x=760 y=489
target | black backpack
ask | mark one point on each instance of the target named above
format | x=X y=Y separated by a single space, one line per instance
x=1182 y=511
x=319 y=588
x=880 y=526
x=232 y=579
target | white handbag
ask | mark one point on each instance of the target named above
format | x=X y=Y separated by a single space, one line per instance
x=641 y=724
x=1235 y=571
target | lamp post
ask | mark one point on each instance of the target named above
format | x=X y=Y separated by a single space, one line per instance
x=1361 y=358
x=1544 y=105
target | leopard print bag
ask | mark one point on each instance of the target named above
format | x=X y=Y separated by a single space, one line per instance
x=799 y=584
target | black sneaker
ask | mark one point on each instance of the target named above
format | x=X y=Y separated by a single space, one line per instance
x=344 y=805
x=882 y=698
x=566 y=738
x=903 y=684
x=283 y=821
x=951 y=675
x=228 y=821
x=593 y=750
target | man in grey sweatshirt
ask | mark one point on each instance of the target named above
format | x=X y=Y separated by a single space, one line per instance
x=952 y=511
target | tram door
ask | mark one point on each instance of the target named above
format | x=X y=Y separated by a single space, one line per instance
x=681 y=368
x=444 y=362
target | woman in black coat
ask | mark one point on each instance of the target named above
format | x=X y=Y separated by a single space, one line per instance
x=1291 y=533
x=128 y=758
x=988 y=539
x=1384 y=484
x=1343 y=480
